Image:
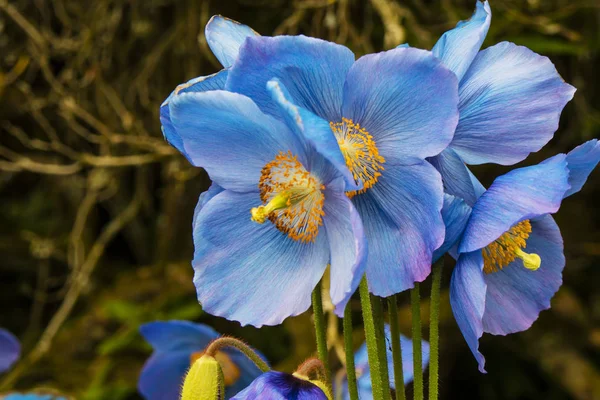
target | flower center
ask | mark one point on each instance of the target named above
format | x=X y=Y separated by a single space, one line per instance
x=508 y=247
x=360 y=153
x=231 y=372
x=292 y=197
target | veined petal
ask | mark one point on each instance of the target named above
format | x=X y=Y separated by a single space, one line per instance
x=458 y=47
x=176 y=335
x=275 y=385
x=467 y=298
x=347 y=246
x=226 y=134
x=406 y=99
x=521 y=194
x=162 y=375
x=225 y=37
x=510 y=104
x=10 y=350
x=250 y=272
x=581 y=162
x=455 y=213
x=200 y=84
x=403 y=225
x=455 y=175
x=516 y=295
x=312 y=70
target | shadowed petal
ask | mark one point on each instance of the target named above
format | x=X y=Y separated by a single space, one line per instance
x=177 y=335
x=163 y=374
x=225 y=37
x=10 y=350
x=275 y=385
x=455 y=213
x=455 y=176
x=581 y=162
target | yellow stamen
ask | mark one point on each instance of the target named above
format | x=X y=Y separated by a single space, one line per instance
x=360 y=153
x=292 y=198
x=504 y=250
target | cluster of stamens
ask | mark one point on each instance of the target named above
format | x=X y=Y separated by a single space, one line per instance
x=504 y=250
x=360 y=153
x=292 y=197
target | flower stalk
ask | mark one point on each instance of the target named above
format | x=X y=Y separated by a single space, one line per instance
x=434 y=329
x=396 y=347
x=321 y=330
x=350 y=367
x=221 y=342
x=415 y=300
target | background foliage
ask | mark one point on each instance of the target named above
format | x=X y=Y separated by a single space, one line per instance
x=95 y=213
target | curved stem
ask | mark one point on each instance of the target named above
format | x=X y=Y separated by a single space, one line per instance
x=320 y=330
x=434 y=329
x=311 y=366
x=221 y=342
x=415 y=300
x=396 y=347
x=350 y=367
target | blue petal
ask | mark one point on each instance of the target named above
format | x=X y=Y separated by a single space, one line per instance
x=523 y=193
x=403 y=224
x=275 y=385
x=312 y=70
x=406 y=100
x=225 y=37
x=226 y=134
x=467 y=298
x=347 y=245
x=176 y=335
x=510 y=104
x=205 y=197
x=200 y=84
x=248 y=371
x=10 y=350
x=455 y=213
x=458 y=47
x=163 y=374
x=455 y=176
x=516 y=295
x=250 y=272
x=581 y=162
x=312 y=130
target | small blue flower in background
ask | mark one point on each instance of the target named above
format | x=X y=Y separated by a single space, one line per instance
x=363 y=373
x=177 y=344
x=10 y=350
x=275 y=385
x=31 y=396
x=510 y=102
x=511 y=257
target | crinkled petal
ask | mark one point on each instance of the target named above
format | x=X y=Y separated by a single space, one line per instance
x=225 y=37
x=458 y=47
x=250 y=272
x=523 y=193
x=163 y=374
x=455 y=213
x=403 y=224
x=347 y=245
x=516 y=295
x=581 y=162
x=510 y=104
x=312 y=70
x=10 y=350
x=455 y=175
x=406 y=99
x=467 y=298
x=176 y=335
x=200 y=84
x=275 y=385
x=226 y=134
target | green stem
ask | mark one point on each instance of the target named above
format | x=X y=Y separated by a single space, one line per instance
x=350 y=367
x=320 y=330
x=372 y=339
x=434 y=329
x=218 y=344
x=381 y=344
x=396 y=347
x=415 y=299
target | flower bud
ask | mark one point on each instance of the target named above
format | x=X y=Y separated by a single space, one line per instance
x=204 y=381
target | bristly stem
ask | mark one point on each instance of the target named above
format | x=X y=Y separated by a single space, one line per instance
x=381 y=344
x=415 y=300
x=320 y=330
x=434 y=329
x=350 y=367
x=396 y=347
x=225 y=341
x=371 y=332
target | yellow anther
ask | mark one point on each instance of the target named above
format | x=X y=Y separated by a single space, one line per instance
x=261 y=213
x=531 y=261
x=504 y=250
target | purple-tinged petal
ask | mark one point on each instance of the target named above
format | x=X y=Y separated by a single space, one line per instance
x=510 y=104
x=581 y=162
x=521 y=194
x=248 y=370
x=467 y=298
x=455 y=214
x=225 y=37
x=275 y=385
x=168 y=336
x=406 y=99
x=516 y=295
x=10 y=350
x=458 y=47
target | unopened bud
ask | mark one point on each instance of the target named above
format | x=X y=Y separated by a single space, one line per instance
x=204 y=381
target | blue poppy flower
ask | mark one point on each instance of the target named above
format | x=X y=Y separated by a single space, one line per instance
x=510 y=102
x=10 y=350
x=363 y=372
x=177 y=344
x=388 y=112
x=511 y=257
x=274 y=385
x=31 y=396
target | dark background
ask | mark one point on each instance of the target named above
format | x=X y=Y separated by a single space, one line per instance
x=95 y=208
